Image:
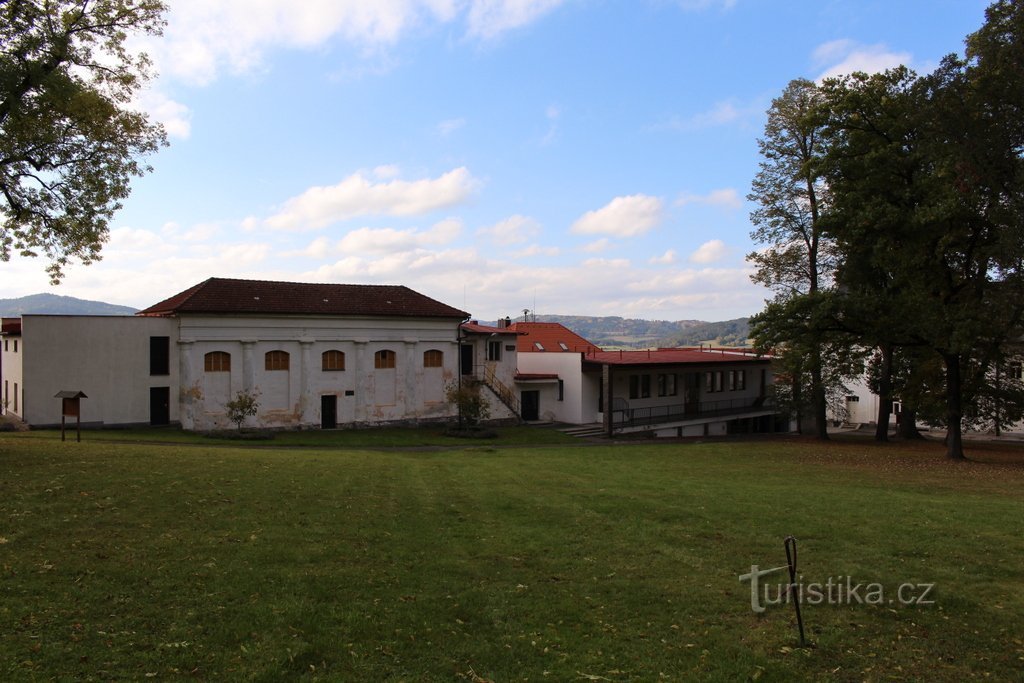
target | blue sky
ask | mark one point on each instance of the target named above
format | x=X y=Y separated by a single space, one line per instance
x=587 y=157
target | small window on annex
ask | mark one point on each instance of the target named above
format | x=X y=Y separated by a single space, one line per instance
x=332 y=360
x=217 y=361
x=433 y=359
x=384 y=360
x=639 y=386
x=494 y=350
x=276 y=360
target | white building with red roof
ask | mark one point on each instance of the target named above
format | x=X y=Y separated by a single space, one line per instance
x=316 y=355
x=668 y=392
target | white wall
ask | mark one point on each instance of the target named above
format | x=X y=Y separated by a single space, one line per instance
x=365 y=395
x=579 y=404
x=106 y=357
x=12 y=384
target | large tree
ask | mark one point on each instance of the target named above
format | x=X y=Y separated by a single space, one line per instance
x=795 y=261
x=926 y=176
x=70 y=140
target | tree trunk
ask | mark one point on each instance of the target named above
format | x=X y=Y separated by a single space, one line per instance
x=798 y=400
x=908 y=424
x=884 y=394
x=819 y=406
x=954 y=408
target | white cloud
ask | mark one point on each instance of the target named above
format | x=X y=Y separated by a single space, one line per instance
x=535 y=250
x=488 y=19
x=204 y=38
x=513 y=230
x=449 y=126
x=709 y=252
x=841 y=57
x=622 y=217
x=726 y=198
x=175 y=117
x=391 y=241
x=552 y=113
x=354 y=196
x=698 y=5
x=668 y=258
x=597 y=246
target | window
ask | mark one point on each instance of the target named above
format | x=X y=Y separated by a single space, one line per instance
x=853 y=399
x=538 y=346
x=332 y=360
x=217 y=361
x=15 y=345
x=666 y=385
x=16 y=397
x=719 y=376
x=709 y=382
x=639 y=386
x=159 y=355
x=732 y=380
x=741 y=380
x=276 y=360
x=7 y=345
x=561 y=390
x=433 y=359
x=563 y=346
x=1016 y=370
x=494 y=350
x=384 y=360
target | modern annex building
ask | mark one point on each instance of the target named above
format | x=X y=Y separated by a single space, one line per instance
x=333 y=355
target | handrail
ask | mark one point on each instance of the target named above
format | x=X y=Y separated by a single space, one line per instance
x=665 y=413
x=500 y=389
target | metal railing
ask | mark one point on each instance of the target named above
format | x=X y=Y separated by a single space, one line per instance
x=629 y=417
x=501 y=390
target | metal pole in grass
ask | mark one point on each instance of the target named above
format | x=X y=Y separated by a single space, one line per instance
x=794 y=587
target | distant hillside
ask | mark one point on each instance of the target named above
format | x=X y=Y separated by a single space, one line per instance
x=54 y=304
x=616 y=332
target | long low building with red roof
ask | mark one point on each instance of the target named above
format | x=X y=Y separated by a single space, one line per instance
x=668 y=392
x=340 y=355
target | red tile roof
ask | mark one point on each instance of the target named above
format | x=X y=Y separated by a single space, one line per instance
x=553 y=338
x=673 y=357
x=221 y=295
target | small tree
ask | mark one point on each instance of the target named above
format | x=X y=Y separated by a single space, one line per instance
x=470 y=403
x=243 y=405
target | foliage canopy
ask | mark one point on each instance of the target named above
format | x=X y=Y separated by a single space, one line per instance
x=70 y=139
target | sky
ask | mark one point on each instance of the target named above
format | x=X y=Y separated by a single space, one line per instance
x=574 y=157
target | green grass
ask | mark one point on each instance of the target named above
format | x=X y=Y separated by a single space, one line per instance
x=127 y=561
x=381 y=437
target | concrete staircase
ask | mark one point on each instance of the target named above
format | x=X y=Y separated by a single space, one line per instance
x=590 y=431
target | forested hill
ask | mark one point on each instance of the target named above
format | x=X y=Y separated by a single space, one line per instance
x=54 y=304
x=615 y=332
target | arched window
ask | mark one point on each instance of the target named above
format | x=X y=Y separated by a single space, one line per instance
x=276 y=360
x=333 y=360
x=433 y=359
x=384 y=359
x=217 y=361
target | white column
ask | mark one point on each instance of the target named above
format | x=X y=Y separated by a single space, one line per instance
x=361 y=375
x=305 y=381
x=189 y=394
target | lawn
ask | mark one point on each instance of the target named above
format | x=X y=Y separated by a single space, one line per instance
x=604 y=563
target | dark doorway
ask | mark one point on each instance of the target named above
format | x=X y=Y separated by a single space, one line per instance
x=328 y=411
x=159 y=406
x=467 y=359
x=530 y=405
